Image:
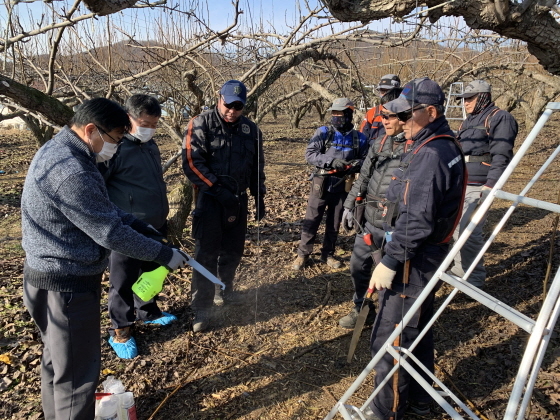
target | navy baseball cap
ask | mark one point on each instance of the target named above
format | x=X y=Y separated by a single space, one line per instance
x=417 y=91
x=234 y=91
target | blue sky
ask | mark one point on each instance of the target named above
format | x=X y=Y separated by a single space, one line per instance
x=217 y=13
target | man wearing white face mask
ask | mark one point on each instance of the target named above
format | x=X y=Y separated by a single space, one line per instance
x=68 y=227
x=134 y=180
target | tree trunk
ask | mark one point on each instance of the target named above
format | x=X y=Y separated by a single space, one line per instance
x=180 y=203
x=35 y=100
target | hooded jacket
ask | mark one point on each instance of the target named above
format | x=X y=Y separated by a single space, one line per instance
x=341 y=146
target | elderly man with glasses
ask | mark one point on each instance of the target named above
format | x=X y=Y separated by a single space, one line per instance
x=365 y=201
x=422 y=207
x=222 y=157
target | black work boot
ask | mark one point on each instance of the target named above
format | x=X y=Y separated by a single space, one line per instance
x=201 y=320
x=299 y=262
x=349 y=321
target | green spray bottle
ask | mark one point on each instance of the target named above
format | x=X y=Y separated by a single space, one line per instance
x=150 y=283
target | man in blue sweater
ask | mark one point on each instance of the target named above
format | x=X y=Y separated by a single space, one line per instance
x=134 y=180
x=69 y=226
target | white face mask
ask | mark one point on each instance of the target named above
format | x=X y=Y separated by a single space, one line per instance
x=144 y=134
x=107 y=151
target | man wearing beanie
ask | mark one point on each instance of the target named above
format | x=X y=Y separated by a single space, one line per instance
x=372 y=125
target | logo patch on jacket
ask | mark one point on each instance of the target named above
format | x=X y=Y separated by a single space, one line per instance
x=245 y=128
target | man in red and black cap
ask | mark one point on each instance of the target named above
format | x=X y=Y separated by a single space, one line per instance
x=486 y=137
x=372 y=125
x=223 y=157
x=424 y=199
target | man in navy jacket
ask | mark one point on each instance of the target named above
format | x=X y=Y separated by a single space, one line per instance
x=425 y=196
x=486 y=137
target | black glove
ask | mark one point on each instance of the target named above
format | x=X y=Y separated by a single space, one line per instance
x=225 y=197
x=339 y=164
x=261 y=209
x=230 y=205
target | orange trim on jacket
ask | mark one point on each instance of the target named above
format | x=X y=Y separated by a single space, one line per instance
x=188 y=147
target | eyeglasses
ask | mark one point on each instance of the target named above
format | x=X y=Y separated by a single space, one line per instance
x=119 y=141
x=404 y=116
x=238 y=106
x=389 y=116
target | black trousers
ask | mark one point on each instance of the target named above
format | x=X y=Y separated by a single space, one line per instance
x=69 y=324
x=124 y=306
x=392 y=307
x=361 y=262
x=333 y=203
x=218 y=249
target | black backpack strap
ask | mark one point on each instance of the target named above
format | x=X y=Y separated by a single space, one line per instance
x=355 y=143
x=329 y=140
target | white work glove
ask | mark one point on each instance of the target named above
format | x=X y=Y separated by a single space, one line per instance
x=382 y=277
x=348 y=220
x=484 y=193
x=178 y=260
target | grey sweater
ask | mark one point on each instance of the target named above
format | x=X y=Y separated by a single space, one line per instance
x=68 y=222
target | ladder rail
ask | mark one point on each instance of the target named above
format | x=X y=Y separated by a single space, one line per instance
x=539 y=358
x=535 y=341
x=478 y=215
x=429 y=388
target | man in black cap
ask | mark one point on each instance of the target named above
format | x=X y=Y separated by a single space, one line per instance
x=330 y=150
x=487 y=137
x=372 y=125
x=223 y=157
x=424 y=199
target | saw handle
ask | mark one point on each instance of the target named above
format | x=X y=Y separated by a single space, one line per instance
x=369 y=293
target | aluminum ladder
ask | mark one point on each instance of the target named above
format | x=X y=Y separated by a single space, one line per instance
x=540 y=329
x=455 y=89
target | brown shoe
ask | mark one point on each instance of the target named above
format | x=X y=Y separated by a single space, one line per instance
x=122 y=335
x=299 y=262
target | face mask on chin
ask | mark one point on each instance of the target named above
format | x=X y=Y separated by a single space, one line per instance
x=144 y=134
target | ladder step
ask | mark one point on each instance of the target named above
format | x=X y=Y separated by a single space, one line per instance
x=528 y=201
x=491 y=302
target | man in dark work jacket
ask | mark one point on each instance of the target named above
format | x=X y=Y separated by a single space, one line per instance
x=486 y=137
x=223 y=157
